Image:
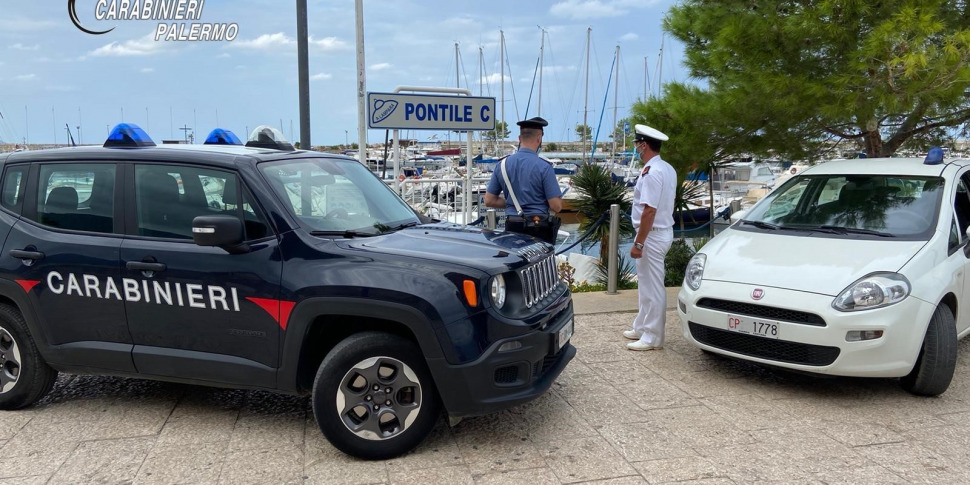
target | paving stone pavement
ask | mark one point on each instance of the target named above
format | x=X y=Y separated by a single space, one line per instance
x=614 y=417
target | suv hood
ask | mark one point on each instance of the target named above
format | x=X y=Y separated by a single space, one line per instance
x=814 y=264
x=454 y=244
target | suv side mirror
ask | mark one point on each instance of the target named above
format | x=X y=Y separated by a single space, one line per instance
x=221 y=231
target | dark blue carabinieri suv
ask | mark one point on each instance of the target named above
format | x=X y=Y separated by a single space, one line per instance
x=264 y=267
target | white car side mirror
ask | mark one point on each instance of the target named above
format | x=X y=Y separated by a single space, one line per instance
x=737 y=216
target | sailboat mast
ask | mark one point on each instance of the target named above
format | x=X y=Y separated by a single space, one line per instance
x=586 y=101
x=501 y=60
x=457 y=78
x=616 y=94
x=542 y=46
x=660 y=65
x=645 y=78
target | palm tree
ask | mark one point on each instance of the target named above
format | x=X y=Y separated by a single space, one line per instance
x=598 y=191
x=687 y=192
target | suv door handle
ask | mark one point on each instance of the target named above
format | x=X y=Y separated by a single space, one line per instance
x=27 y=255
x=143 y=266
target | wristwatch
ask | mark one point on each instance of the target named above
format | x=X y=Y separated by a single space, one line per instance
x=638 y=245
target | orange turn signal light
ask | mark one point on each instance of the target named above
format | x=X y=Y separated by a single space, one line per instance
x=471 y=295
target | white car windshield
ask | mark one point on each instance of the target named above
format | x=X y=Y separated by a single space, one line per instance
x=852 y=205
x=337 y=196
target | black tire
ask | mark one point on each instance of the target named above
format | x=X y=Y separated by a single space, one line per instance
x=25 y=377
x=937 y=359
x=350 y=371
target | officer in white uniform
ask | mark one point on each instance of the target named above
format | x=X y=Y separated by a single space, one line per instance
x=653 y=219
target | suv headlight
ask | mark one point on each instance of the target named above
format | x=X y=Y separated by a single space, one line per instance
x=496 y=290
x=695 y=271
x=873 y=291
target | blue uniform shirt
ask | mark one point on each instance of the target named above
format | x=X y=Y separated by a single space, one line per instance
x=533 y=180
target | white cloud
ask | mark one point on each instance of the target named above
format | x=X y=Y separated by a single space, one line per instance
x=25 y=77
x=145 y=46
x=147 y=70
x=380 y=66
x=265 y=42
x=20 y=47
x=23 y=24
x=280 y=41
x=321 y=76
x=629 y=36
x=587 y=9
x=224 y=55
x=328 y=44
x=495 y=78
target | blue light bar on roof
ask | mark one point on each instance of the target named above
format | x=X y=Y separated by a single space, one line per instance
x=222 y=137
x=128 y=135
x=934 y=156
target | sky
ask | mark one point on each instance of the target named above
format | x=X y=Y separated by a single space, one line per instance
x=54 y=75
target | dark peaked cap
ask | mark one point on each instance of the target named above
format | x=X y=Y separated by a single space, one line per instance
x=536 y=123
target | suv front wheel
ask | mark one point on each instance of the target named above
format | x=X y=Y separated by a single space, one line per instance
x=373 y=396
x=24 y=375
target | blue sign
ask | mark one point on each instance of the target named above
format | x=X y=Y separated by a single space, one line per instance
x=396 y=111
x=626 y=127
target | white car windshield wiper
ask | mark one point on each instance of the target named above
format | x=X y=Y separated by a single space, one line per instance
x=764 y=225
x=851 y=230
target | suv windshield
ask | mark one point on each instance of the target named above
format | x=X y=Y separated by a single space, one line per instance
x=338 y=196
x=855 y=205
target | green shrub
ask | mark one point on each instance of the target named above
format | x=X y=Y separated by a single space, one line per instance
x=585 y=287
x=626 y=270
x=676 y=263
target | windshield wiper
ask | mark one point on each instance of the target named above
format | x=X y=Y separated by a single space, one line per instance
x=763 y=225
x=852 y=230
x=347 y=234
x=405 y=225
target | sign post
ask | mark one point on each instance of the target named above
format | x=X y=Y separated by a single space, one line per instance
x=441 y=112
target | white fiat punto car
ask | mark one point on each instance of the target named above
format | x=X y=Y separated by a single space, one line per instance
x=851 y=268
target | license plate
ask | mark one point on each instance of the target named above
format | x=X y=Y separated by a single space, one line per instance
x=753 y=326
x=564 y=334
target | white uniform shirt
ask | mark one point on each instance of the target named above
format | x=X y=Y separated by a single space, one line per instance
x=656 y=187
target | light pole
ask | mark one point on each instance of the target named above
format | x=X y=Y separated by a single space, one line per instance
x=346 y=139
x=303 y=72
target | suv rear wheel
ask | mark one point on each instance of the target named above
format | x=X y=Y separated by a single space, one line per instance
x=373 y=396
x=937 y=358
x=24 y=375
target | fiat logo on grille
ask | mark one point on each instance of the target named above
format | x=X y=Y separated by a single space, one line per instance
x=757 y=294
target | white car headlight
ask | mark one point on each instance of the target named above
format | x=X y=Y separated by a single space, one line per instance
x=695 y=271
x=873 y=291
x=496 y=289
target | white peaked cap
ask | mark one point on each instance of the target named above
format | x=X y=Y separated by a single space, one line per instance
x=644 y=131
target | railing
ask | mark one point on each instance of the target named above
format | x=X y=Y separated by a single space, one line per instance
x=444 y=198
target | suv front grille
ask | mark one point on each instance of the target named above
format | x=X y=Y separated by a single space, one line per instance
x=750 y=309
x=765 y=348
x=539 y=280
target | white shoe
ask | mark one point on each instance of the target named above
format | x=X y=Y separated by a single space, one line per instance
x=632 y=334
x=638 y=345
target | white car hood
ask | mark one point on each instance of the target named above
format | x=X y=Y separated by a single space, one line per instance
x=823 y=265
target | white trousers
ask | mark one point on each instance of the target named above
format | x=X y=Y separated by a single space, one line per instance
x=651 y=317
